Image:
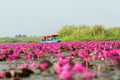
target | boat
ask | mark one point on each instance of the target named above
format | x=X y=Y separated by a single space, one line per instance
x=51 y=38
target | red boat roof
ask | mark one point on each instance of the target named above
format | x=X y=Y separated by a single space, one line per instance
x=50 y=35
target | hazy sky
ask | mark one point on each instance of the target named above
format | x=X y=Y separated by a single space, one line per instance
x=38 y=17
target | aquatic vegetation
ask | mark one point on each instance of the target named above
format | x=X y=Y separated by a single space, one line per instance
x=64 y=61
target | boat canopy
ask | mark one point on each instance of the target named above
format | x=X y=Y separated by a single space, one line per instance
x=51 y=35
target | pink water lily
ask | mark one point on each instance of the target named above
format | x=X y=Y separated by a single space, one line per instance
x=62 y=61
x=29 y=56
x=112 y=62
x=61 y=56
x=70 y=58
x=34 y=65
x=66 y=67
x=66 y=75
x=13 y=56
x=66 y=59
x=79 y=68
x=2 y=74
x=58 y=68
x=43 y=66
x=24 y=65
x=39 y=53
x=84 y=55
x=2 y=56
x=88 y=75
x=74 y=53
x=100 y=56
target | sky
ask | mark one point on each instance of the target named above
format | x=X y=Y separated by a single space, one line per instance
x=39 y=17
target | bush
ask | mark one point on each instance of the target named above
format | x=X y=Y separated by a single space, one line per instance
x=88 y=33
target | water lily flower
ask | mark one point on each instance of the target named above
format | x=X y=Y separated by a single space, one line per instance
x=79 y=68
x=34 y=65
x=43 y=66
x=58 y=68
x=61 y=56
x=24 y=65
x=74 y=53
x=112 y=62
x=66 y=75
x=2 y=74
x=66 y=67
x=88 y=75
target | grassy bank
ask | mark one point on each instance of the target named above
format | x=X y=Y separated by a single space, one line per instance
x=17 y=40
x=88 y=33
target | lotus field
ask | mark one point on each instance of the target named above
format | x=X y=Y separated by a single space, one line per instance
x=60 y=61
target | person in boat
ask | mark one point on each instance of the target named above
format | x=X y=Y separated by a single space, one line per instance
x=44 y=38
